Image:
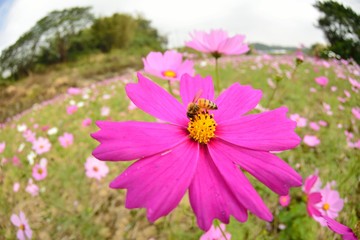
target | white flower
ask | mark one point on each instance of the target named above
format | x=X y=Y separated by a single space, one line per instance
x=21 y=127
x=21 y=147
x=80 y=104
x=72 y=102
x=30 y=157
x=52 y=131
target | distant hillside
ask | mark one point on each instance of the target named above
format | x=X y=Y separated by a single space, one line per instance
x=273 y=48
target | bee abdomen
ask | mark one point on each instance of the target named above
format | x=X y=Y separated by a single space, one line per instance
x=207 y=104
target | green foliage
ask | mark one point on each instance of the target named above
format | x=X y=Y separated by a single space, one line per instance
x=341 y=26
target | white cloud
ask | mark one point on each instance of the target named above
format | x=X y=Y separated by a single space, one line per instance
x=285 y=22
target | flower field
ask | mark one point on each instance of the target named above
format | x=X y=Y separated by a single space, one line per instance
x=48 y=172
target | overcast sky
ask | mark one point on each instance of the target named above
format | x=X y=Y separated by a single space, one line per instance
x=281 y=22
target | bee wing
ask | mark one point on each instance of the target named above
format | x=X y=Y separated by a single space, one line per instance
x=197 y=95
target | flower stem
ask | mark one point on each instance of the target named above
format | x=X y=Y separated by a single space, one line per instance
x=217 y=223
x=217 y=80
x=278 y=79
x=170 y=88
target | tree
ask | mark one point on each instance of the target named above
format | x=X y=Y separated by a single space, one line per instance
x=341 y=26
x=49 y=37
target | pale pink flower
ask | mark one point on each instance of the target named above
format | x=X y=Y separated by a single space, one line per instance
x=331 y=204
x=327 y=109
x=341 y=99
x=300 y=121
x=333 y=88
x=86 y=122
x=16 y=161
x=105 y=111
x=41 y=145
x=356 y=112
x=311 y=140
x=74 y=91
x=218 y=43
x=349 y=135
x=16 y=187
x=216 y=233
x=24 y=231
x=132 y=106
x=284 y=200
x=354 y=83
x=313 y=90
x=314 y=126
x=95 y=168
x=32 y=188
x=39 y=171
x=347 y=93
x=66 y=140
x=322 y=81
x=2 y=146
x=322 y=123
x=167 y=66
x=71 y=109
x=29 y=135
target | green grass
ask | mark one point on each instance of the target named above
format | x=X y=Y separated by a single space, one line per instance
x=71 y=206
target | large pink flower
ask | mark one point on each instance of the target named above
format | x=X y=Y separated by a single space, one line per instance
x=24 y=230
x=205 y=155
x=218 y=43
x=168 y=66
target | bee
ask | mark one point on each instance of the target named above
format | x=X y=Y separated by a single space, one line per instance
x=199 y=105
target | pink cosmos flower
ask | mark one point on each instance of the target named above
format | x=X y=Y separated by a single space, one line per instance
x=356 y=112
x=311 y=186
x=314 y=126
x=201 y=155
x=16 y=161
x=29 y=135
x=86 y=122
x=71 y=109
x=346 y=232
x=41 y=145
x=347 y=94
x=24 y=230
x=74 y=91
x=322 y=123
x=333 y=88
x=311 y=140
x=168 y=66
x=16 y=187
x=66 y=140
x=2 y=146
x=322 y=81
x=95 y=168
x=32 y=188
x=284 y=200
x=331 y=204
x=354 y=83
x=105 y=111
x=39 y=171
x=300 y=121
x=216 y=233
x=218 y=43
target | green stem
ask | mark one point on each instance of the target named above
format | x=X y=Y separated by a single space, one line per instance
x=272 y=96
x=217 y=80
x=217 y=223
x=170 y=89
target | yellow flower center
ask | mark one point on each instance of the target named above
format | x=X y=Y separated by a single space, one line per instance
x=202 y=127
x=40 y=171
x=95 y=169
x=22 y=227
x=169 y=73
x=326 y=206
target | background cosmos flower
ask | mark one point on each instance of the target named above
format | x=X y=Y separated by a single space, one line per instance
x=171 y=162
x=20 y=221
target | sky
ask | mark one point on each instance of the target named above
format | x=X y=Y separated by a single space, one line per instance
x=274 y=22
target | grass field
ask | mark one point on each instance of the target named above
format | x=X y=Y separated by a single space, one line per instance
x=70 y=205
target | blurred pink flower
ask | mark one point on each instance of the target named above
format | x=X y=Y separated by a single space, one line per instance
x=300 y=121
x=322 y=81
x=312 y=183
x=218 y=43
x=333 y=88
x=71 y=109
x=95 y=168
x=314 y=126
x=168 y=66
x=16 y=187
x=311 y=187
x=322 y=123
x=74 y=91
x=284 y=200
x=356 y=112
x=184 y=155
x=16 y=161
x=216 y=233
x=86 y=122
x=41 y=145
x=347 y=93
x=2 y=146
x=313 y=90
x=331 y=204
x=105 y=111
x=32 y=188
x=131 y=106
x=66 y=140
x=39 y=171
x=311 y=140
x=24 y=230
x=29 y=135
x=354 y=83
x=346 y=232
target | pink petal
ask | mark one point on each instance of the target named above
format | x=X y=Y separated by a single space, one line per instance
x=158 y=183
x=28 y=232
x=237 y=181
x=154 y=100
x=190 y=86
x=234 y=45
x=267 y=131
x=337 y=206
x=210 y=196
x=266 y=167
x=15 y=220
x=309 y=183
x=120 y=141
x=236 y=101
x=312 y=199
x=341 y=229
x=20 y=235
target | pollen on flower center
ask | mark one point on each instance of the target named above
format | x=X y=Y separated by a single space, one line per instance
x=326 y=206
x=22 y=227
x=40 y=171
x=202 y=127
x=95 y=169
x=169 y=73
